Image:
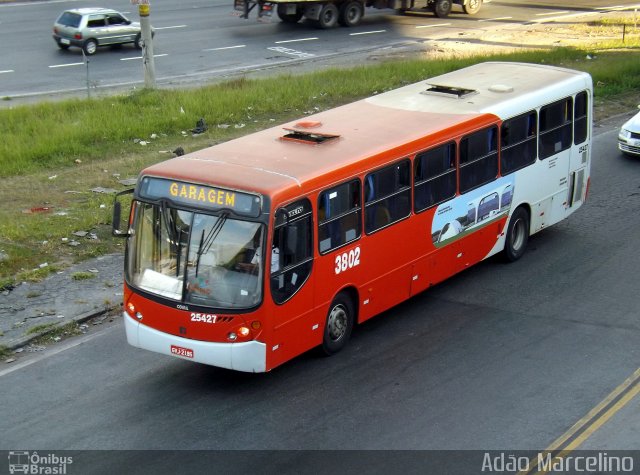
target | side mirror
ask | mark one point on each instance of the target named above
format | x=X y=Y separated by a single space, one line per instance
x=117 y=212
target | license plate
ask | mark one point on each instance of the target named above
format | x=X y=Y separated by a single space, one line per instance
x=634 y=142
x=180 y=351
x=65 y=41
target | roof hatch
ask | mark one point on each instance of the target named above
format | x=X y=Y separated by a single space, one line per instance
x=449 y=91
x=305 y=136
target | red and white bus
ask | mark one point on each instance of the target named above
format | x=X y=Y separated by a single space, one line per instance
x=248 y=253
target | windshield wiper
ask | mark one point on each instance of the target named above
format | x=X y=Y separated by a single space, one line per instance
x=207 y=242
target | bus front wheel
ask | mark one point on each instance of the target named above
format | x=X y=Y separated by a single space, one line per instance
x=517 y=235
x=339 y=324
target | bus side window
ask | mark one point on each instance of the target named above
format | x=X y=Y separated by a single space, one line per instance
x=555 y=127
x=518 y=138
x=293 y=240
x=581 y=119
x=435 y=176
x=387 y=196
x=478 y=158
x=339 y=216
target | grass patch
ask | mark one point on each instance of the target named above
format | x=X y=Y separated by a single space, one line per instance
x=52 y=155
x=59 y=333
x=4 y=352
x=82 y=275
x=39 y=328
x=36 y=275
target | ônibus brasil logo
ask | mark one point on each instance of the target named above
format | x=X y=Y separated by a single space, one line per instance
x=24 y=461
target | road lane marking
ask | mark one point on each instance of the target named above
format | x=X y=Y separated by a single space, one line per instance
x=624 y=400
x=552 y=13
x=140 y=57
x=295 y=41
x=433 y=26
x=590 y=423
x=7 y=71
x=65 y=65
x=561 y=17
x=367 y=32
x=225 y=47
x=292 y=52
x=496 y=19
x=620 y=7
x=60 y=347
x=169 y=27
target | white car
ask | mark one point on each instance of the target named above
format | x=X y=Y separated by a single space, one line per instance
x=629 y=136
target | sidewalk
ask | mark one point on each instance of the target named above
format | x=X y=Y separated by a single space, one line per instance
x=60 y=299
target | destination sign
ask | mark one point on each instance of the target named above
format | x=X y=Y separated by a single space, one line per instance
x=201 y=196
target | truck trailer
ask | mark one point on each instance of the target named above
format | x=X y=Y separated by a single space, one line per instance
x=327 y=14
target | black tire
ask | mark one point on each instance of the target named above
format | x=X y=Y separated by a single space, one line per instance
x=62 y=46
x=138 y=41
x=90 y=47
x=472 y=7
x=517 y=235
x=328 y=16
x=351 y=13
x=288 y=17
x=339 y=324
x=442 y=8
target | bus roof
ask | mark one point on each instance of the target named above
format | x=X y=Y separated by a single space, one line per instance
x=361 y=135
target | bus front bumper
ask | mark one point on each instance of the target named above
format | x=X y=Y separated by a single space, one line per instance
x=248 y=356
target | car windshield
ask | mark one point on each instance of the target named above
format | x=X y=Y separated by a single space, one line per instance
x=194 y=258
x=70 y=19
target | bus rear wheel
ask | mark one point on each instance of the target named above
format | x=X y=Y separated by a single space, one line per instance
x=337 y=328
x=517 y=235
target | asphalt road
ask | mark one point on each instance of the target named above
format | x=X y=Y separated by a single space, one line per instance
x=200 y=39
x=500 y=357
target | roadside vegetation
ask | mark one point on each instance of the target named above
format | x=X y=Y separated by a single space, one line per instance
x=60 y=162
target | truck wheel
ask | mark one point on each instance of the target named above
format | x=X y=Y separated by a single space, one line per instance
x=289 y=17
x=442 y=8
x=517 y=235
x=328 y=16
x=351 y=13
x=471 y=7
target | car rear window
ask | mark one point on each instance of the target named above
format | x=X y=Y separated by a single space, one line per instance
x=70 y=19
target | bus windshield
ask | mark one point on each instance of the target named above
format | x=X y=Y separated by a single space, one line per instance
x=195 y=258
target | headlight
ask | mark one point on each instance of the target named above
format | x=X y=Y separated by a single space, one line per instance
x=625 y=134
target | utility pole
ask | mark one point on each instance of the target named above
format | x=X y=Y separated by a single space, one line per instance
x=147 y=44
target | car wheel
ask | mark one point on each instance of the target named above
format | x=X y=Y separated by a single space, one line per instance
x=517 y=235
x=337 y=328
x=472 y=7
x=62 y=46
x=90 y=47
x=442 y=8
x=138 y=41
x=351 y=13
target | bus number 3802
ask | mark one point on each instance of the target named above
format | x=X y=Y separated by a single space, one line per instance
x=347 y=260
